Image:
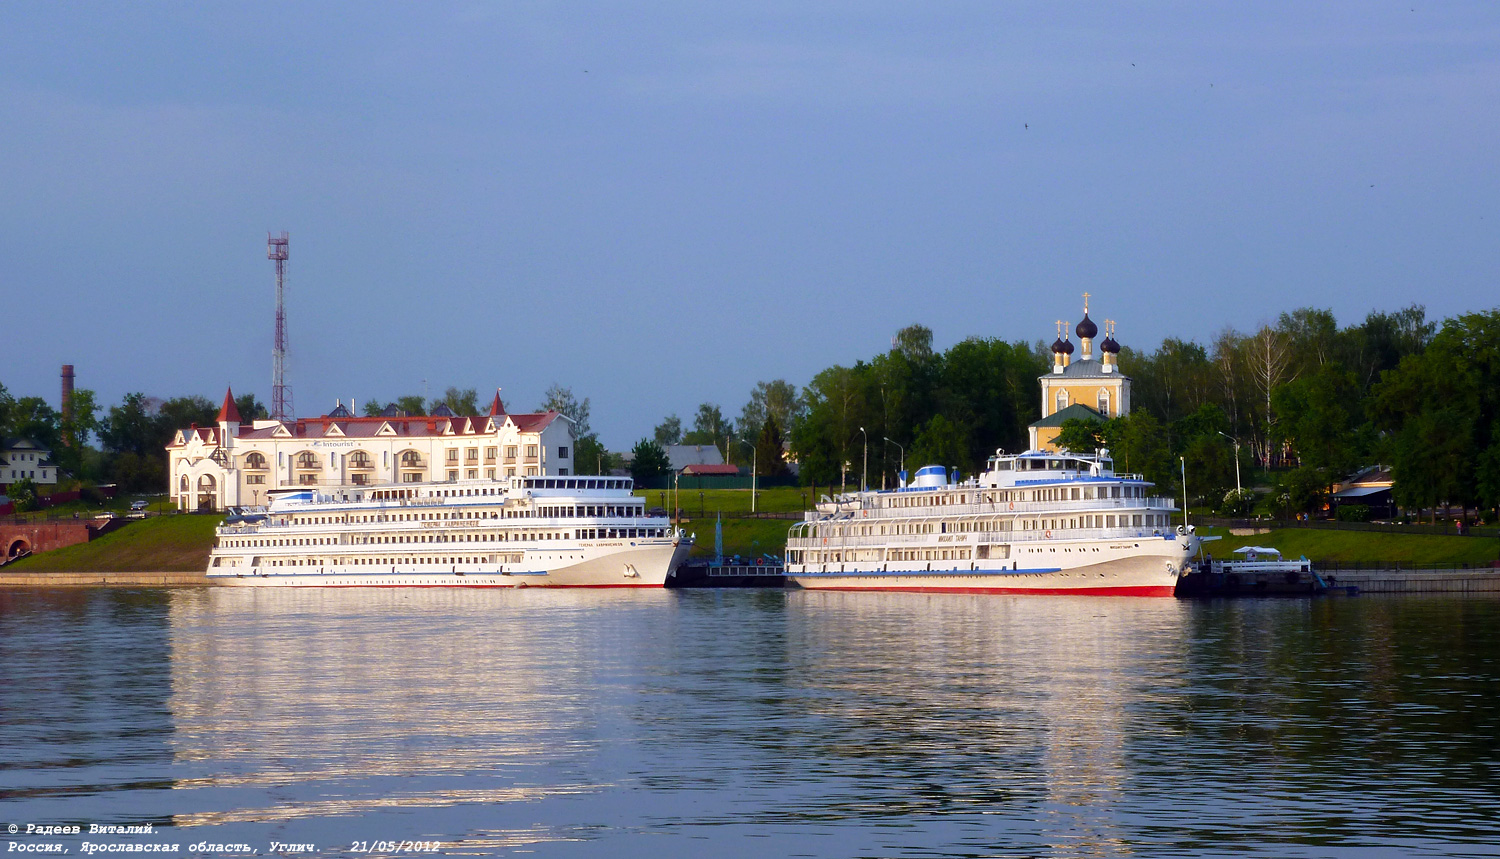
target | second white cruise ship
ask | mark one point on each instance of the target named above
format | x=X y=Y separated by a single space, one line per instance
x=1037 y=522
x=576 y=531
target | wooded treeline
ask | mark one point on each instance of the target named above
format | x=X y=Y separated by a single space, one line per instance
x=132 y=436
x=1302 y=402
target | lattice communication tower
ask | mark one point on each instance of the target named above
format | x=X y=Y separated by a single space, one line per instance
x=281 y=392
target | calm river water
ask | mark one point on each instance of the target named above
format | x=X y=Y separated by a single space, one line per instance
x=753 y=723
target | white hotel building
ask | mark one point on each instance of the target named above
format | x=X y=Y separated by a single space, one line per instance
x=234 y=464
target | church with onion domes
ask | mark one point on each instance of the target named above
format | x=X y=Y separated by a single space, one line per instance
x=1091 y=387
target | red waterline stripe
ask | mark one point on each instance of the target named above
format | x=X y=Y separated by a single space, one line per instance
x=1140 y=591
x=513 y=587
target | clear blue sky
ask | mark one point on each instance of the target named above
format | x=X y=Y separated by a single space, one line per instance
x=660 y=204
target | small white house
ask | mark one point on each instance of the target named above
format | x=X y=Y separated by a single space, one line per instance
x=24 y=459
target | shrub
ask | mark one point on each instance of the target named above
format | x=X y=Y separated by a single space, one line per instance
x=1353 y=513
x=23 y=494
x=1237 y=502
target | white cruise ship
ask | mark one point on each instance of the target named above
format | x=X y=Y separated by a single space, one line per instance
x=1038 y=522
x=576 y=531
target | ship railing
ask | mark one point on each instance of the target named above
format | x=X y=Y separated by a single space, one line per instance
x=395 y=526
x=250 y=527
x=419 y=502
x=972 y=538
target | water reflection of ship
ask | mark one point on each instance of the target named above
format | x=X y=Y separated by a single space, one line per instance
x=312 y=704
x=1012 y=707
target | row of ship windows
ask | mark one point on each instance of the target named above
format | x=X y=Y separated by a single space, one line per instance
x=386 y=562
x=838 y=556
x=493 y=537
x=817 y=556
x=1138 y=520
x=1051 y=493
x=591 y=511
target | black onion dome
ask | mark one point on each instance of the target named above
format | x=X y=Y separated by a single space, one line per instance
x=1109 y=345
x=1057 y=346
x=1067 y=348
x=1087 y=328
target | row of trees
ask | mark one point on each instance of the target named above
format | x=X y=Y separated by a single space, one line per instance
x=909 y=404
x=1304 y=400
x=132 y=435
x=1301 y=403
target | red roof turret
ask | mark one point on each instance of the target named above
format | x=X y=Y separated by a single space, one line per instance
x=229 y=411
x=497 y=407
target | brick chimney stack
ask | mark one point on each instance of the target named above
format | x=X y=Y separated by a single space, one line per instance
x=67 y=392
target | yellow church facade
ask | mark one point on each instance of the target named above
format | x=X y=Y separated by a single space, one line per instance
x=1091 y=387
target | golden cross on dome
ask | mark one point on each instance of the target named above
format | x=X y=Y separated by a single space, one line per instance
x=1109 y=327
x=1085 y=304
x=1059 y=329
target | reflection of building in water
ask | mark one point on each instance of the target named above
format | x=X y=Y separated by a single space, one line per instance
x=989 y=706
x=308 y=703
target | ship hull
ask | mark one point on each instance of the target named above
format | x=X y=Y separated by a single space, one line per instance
x=643 y=564
x=1145 y=569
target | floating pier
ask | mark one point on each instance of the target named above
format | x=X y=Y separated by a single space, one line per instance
x=104 y=580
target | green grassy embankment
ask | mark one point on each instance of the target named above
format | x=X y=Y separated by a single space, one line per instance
x=746 y=537
x=161 y=544
x=1363 y=546
x=87 y=509
x=781 y=499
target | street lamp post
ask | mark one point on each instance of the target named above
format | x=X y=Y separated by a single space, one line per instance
x=1236 y=442
x=864 y=472
x=903 y=452
x=754 y=467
